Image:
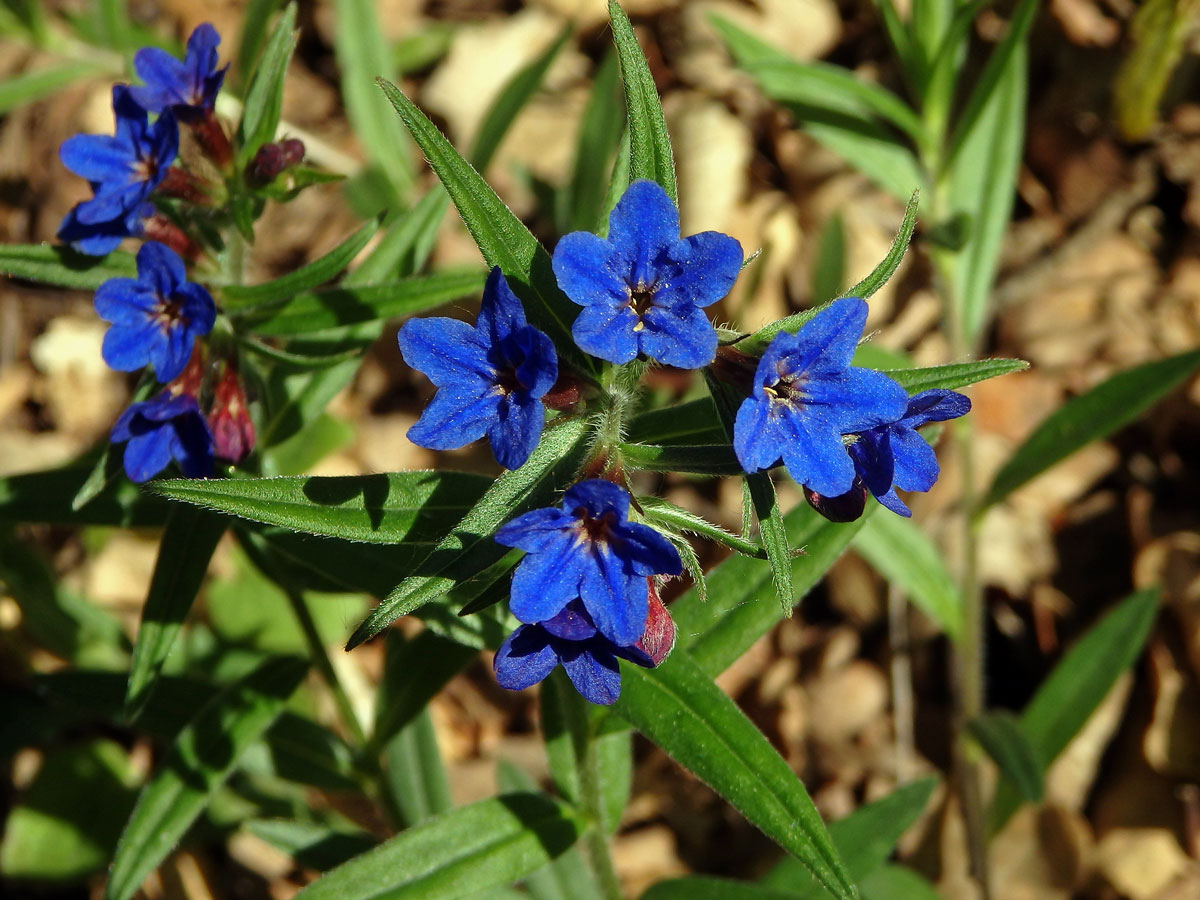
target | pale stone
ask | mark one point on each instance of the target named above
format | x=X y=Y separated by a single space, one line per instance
x=1140 y=862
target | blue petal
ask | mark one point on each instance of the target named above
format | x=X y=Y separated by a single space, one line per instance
x=538 y=530
x=536 y=361
x=936 y=405
x=165 y=76
x=197 y=307
x=593 y=670
x=616 y=598
x=445 y=350
x=646 y=551
x=606 y=332
x=815 y=455
x=708 y=264
x=515 y=435
x=455 y=417
x=678 y=336
x=193 y=445
x=97 y=157
x=571 y=624
x=597 y=497
x=589 y=272
x=642 y=228
x=122 y=429
x=546 y=581
x=148 y=453
x=778 y=360
x=500 y=312
x=171 y=352
x=124 y=300
x=525 y=658
x=872 y=455
x=131 y=120
x=756 y=439
x=102 y=208
x=891 y=501
x=128 y=348
x=916 y=463
x=201 y=56
x=164 y=407
x=826 y=343
x=160 y=267
x=855 y=399
x=92 y=239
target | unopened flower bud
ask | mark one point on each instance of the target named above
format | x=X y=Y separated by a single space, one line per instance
x=844 y=508
x=293 y=151
x=659 y=637
x=229 y=418
x=268 y=162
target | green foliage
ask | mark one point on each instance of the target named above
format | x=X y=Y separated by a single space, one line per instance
x=999 y=734
x=1159 y=29
x=63 y=267
x=264 y=93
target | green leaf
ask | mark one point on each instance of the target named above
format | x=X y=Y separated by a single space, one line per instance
x=340 y=306
x=187 y=546
x=469 y=549
x=299 y=750
x=677 y=519
x=897 y=883
x=582 y=202
x=829 y=270
x=361 y=48
x=47 y=497
x=1096 y=414
x=1160 y=30
x=27 y=87
x=955 y=375
x=415 y=776
x=464 y=851
x=245 y=298
x=200 y=760
x=1082 y=678
x=383 y=509
x=264 y=94
x=250 y=42
x=63 y=267
x=999 y=733
x=902 y=553
x=511 y=100
x=298 y=399
x=693 y=422
x=311 y=845
x=679 y=708
x=692 y=459
x=650 y=154
x=401 y=696
x=708 y=887
x=503 y=240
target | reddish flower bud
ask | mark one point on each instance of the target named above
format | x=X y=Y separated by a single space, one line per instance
x=229 y=418
x=659 y=637
x=844 y=508
x=293 y=151
x=159 y=228
x=212 y=140
x=268 y=162
x=184 y=185
x=734 y=367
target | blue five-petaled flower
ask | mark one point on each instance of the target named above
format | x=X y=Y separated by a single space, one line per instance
x=806 y=395
x=569 y=639
x=188 y=88
x=123 y=169
x=165 y=427
x=895 y=456
x=155 y=317
x=643 y=288
x=588 y=549
x=490 y=377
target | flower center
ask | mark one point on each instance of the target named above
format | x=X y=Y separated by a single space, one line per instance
x=598 y=529
x=167 y=313
x=787 y=390
x=507 y=381
x=641 y=298
x=145 y=169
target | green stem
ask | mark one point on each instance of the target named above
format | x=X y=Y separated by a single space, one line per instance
x=592 y=800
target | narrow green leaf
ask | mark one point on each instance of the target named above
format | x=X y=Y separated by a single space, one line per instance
x=829 y=269
x=63 y=267
x=676 y=518
x=582 y=202
x=955 y=375
x=47 y=497
x=680 y=709
x=902 y=554
x=1160 y=30
x=384 y=509
x=897 y=883
x=362 y=52
x=464 y=851
x=187 y=545
x=999 y=733
x=693 y=422
x=250 y=42
x=297 y=401
x=27 y=87
x=1096 y=414
x=406 y=245
x=200 y=760
x=511 y=100
x=650 y=153
x=691 y=459
x=709 y=887
x=311 y=845
x=340 y=306
x=415 y=775
x=243 y=298
x=503 y=240
x=264 y=94
x=1082 y=678
x=469 y=549
x=299 y=750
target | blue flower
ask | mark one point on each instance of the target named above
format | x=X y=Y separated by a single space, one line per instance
x=571 y=640
x=163 y=428
x=123 y=170
x=806 y=395
x=642 y=289
x=156 y=316
x=588 y=549
x=490 y=377
x=188 y=88
x=895 y=456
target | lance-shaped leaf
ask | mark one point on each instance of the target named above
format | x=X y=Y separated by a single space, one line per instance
x=200 y=760
x=502 y=238
x=314 y=846
x=580 y=204
x=679 y=708
x=307 y=277
x=187 y=546
x=1096 y=414
x=47 y=497
x=693 y=422
x=999 y=733
x=955 y=375
x=459 y=853
x=689 y=459
x=264 y=95
x=650 y=154
x=469 y=548
x=384 y=509
x=63 y=267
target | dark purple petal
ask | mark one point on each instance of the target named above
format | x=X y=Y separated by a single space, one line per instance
x=936 y=405
x=572 y=623
x=446 y=351
x=846 y=507
x=455 y=417
x=593 y=670
x=525 y=658
x=642 y=228
x=678 y=336
x=516 y=432
x=872 y=455
x=607 y=332
x=707 y=264
x=500 y=312
x=536 y=362
x=193 y=446
x=597 y=497
x=95 y=239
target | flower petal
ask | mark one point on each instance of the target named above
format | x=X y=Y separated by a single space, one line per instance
x=445 y=350
x=455 y=417
x=678 y=336
x=641 y=229
x=536 y=361
x=892 y=501
x=97 y=157
x=148 y=453
x=571 y=624
x=516 y=432
x=525 y=658
x=814 y=454
x=615 y=596
x=606 y=332
x=756 y=438
x=827 y=342
x=597 y=497
x=124 y=300
x=160 y=267
x=646 y=550
x=193 y=445
x=593 y=670
x=500 y=311
x=546 y=581
x=165 y=76
x=588 y=270
x=197 y=307
x=707 y=266
x=171 y=352
x=127 y=348
x=916 y=463
x=935 y=405
x=538 y=530
x=872 y=455
x=856 y=399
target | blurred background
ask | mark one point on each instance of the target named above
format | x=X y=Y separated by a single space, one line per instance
x=1098 y=272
